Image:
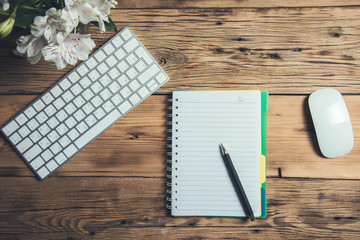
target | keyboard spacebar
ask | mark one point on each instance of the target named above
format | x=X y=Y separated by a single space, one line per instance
x=97 y=128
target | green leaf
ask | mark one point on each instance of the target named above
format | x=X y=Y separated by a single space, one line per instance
x=109 y=26
x=25 y=16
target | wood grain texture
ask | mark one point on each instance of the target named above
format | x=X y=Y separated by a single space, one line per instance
x=280 y=50
x=179 y=4
x=115 y=187
x=128 y=208
x=136 y=145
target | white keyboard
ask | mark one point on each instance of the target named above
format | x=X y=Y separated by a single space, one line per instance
x=84 y=103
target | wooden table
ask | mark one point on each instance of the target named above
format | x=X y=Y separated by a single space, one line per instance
x=115 y=187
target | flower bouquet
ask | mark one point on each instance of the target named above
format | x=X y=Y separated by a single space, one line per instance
x=58 y=28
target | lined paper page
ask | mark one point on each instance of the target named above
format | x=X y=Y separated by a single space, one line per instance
x=201 y=185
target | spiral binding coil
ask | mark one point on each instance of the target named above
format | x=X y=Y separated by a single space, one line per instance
x=171 y=160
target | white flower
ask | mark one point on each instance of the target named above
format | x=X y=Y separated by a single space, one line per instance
x=5 y=4
x=79 y=10
x=69 y=49
x=104 y=7
x=48 y=25
x=30 y=46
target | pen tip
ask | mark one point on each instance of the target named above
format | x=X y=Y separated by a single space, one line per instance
x=223 y=150
x=252 y=217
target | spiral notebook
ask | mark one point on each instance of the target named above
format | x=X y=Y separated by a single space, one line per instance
x=201 y=120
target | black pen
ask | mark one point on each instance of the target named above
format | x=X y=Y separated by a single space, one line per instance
x=236 y=182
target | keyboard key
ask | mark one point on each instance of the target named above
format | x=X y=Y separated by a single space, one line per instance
x=90 y=120
x=44 y=129
x=41 y=117
x=149 y=73
x=125 y=92
x=108 y=48
x=108 y=106
x=62 y=115
x=32 y=124
x=142 y=53
x=116 y=99
x=134 y=99
x=24 y=131
x=67 y=96
x=88 y=108
x=59 y=103
x=64 y=141
x=122 y=66
x=140 y=66
x=70 y=122
x=134 y=85
x=114 y=87
x=32 y=152
x=76 y=89
x=56 y=91
x=126 y=34
x=38 y=105
x=35 y=136
x=82 y=70
x=105 y=94
x=102 y=68
x=15 y=138
x=161 y=78
x=47 y=155
x=114 y=73
x=50 y=110
x=53 y=136
x=94 y=75
x=44 y=143
x=120 y=54
x=79 y=114
x=91 y=63
x=62 y=129
x=37 y=162
x=70 y=150
x=79 y=101
x=52 y=165
x=73 y=134
x=143 y=92
x=47 y=98
x=30 y=112
x=97 y=128
x=123 y=80
x=70 y=108
x=117 y=41
x=55 y=148
x=24 y=145
x=74 y=77
x=82 y=127
x=65 y=84
x=100 y=55
x=10 y=128
x=124 y=107
x=96 y=101
x=131 y=45
x=43 y=172
x=96 y=87
x=60 y=158
x=99 y=113
x=131 y=73
x=105 y=80
x=85 y=82
x=52 y=122
x=21 y=119
x=131 y=59
x=152 y=85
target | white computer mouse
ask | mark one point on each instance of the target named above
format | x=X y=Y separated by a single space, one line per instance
x=332 y=122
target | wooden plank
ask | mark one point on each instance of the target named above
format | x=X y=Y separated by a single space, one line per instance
x=281 y=50
x=136 y=145
x=106 y=208
x=231 y=4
